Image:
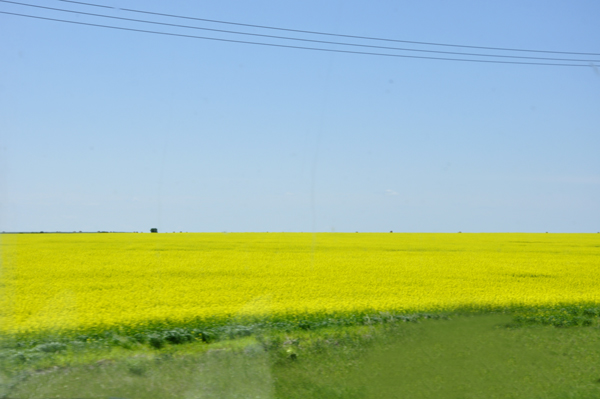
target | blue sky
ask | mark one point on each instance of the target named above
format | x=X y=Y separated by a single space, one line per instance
x=112 y=130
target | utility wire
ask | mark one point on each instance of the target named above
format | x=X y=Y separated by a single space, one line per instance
x=289 y=46
x=328 y=34
x=298 y=39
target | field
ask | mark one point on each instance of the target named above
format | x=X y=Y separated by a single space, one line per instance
x=300 y=315
x=98 y=281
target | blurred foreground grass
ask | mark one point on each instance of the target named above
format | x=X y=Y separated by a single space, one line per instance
x=477 y=356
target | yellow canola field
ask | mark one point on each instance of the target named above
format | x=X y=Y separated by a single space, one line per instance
x=55 y=281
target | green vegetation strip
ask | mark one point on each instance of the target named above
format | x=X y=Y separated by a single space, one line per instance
x=320 y=357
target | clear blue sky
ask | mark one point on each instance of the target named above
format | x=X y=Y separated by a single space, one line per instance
x=112 y=130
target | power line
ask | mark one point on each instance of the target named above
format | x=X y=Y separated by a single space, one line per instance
x=289 y=46
x=298 y=39
x=329 y=34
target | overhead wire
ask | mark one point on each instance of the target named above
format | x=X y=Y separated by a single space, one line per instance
x=329 y=34
x=290 y=46
x=297 y=39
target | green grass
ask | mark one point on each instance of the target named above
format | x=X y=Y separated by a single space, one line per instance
x=474 y=358
x=550 y=354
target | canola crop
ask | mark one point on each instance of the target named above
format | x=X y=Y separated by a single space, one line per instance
x=91 y=281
